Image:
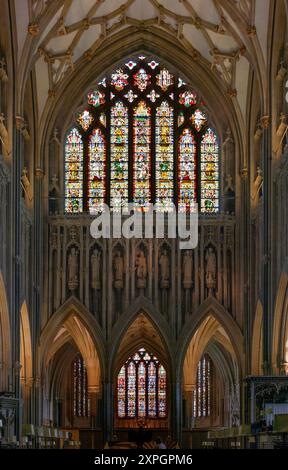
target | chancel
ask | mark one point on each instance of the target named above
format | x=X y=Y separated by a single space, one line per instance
x=127 y=341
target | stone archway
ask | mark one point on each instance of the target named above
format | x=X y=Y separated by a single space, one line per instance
x=142 y=333
x=216 y=336
x=75 y=326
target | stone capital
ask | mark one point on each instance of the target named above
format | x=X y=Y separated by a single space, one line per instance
x=39 y=172
x=244 y=173
x=265 y=122
x=20 y=122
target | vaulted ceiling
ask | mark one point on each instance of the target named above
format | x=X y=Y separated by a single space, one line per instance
x=228 y=35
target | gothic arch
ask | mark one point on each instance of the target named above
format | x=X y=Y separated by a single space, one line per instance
x=5 y=336
x=257 y=342
x=212 y=315
x=25 y=346
x=58 y=111
x=144 y=308
x=280 y=327
x=73 y=321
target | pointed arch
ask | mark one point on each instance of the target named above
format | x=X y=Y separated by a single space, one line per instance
x=280 y=326
x=5 y=336
x=211 y=309
x=143 y=307
x=257 y=341
x=210 y=330
x=73 y=322
x=25 y=345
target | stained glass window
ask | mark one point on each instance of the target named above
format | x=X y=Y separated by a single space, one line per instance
x=121 y=392
x=142 y=387
x=187 y=169
x=164 y=156
x=97 y=163
x=202 y=394
x=73 y=172
x=142 y=154
x=143 y=137
x=79 y=388
x=119 y=79
x=96 y=98
x=142 y=79
x=85 y=119
x=209 y=173
x=198 y=119
x=188 y=98
x=119 y=156
x=164 y=79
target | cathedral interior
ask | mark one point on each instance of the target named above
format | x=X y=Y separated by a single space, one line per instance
x=174 y=103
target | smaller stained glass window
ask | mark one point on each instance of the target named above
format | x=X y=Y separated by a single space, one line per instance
x=131 y=64
x=97 y=167
x=131 y=96
x=153 y=96
x=209 y=173
x=85 y=120
x=119 y=79
x=96 y=98
x=202 y=394
x=73 y=172
x=153 y=64
x=164 y=79
x=198 y=119
x=142 y=387
x=80 y=389
x=188 y=98
x=187 y=170
x=142 y=79
x=142 y=154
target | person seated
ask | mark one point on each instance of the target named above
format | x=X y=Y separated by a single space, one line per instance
x=160 y=444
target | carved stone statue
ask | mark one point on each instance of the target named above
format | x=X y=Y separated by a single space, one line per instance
x=211 y=268
x=187 y=268
x=164 y=263
x=73 y=269
x=141 y=270
x=95 y=270
x=118 y=271
x=229 y=183
x=26 y=184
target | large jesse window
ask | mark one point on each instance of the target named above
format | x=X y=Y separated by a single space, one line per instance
x=144 y=137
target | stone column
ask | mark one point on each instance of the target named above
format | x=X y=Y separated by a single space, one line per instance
x=267 y=238
x=93 y=394
x=108 y=414
x=37 y=321
x=176 y=410
x=16 y=222
x=246 y=266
